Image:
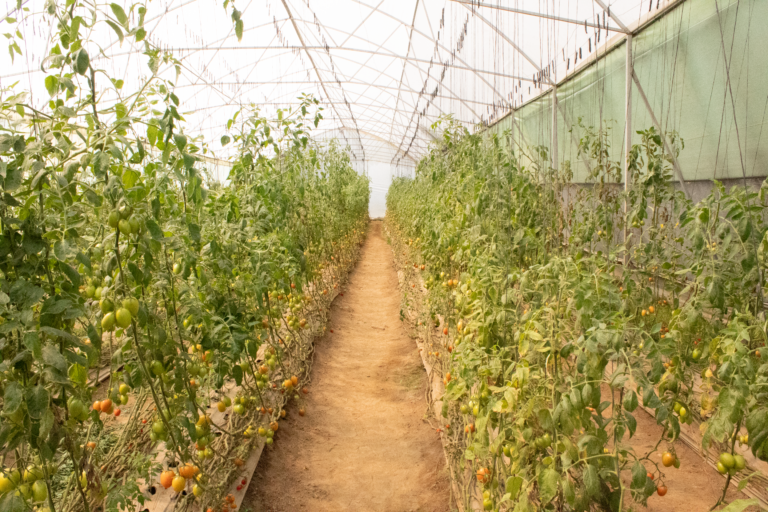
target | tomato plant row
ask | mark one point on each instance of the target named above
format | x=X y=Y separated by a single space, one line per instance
x=118 y=255
x=555 y=310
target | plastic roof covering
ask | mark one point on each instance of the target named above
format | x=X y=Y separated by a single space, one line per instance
x=385 y=70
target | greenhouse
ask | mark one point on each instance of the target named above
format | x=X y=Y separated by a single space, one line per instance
x=383 y=255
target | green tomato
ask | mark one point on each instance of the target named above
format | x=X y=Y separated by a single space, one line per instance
x=124 y=226
x=108 y=322
x=77 y=409
x=25 y=490
x=39 y=491
x=132 y=305
x=158 y=428
x=6 y=484
x=739 y=462
x=727 y=460
x=123 y=317
x=106 y=305
x=135 y=225
x=114 y=219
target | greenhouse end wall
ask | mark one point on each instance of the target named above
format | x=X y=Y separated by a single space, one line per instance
x=683 y=61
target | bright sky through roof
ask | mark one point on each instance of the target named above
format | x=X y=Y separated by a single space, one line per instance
x=385 y=70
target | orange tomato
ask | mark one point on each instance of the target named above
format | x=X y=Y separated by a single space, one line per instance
x=166 y=478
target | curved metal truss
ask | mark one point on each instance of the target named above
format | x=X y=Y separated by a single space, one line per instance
x=384 y=70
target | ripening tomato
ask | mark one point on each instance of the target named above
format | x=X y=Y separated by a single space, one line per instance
x=166 y=478
x=179 y=483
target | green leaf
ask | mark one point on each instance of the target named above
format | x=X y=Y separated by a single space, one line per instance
x=194 y=231
x=78 y=374
x=130 y=177
x=51 y=85
x=63 y=250
x=237 y=373
x=740 y=505
x=513 y=486
x=52 y=357
x=119 y=14
x=121 y=110
x=639 y=475
x=12 y=503
x=71 y=273
x=180 y=141
x=46 y=423
x=81 y=61
x=84 y=259
x=548 y=480
x=154 y=230
x=93 y=335
x=745 y=481
x=591 y=481
x=37 y=401
x=189 y=161
x=13 y=398
x=630 y=401
x=152 y=134
x=225 y=140
x=74 y=30
x=140 y=35
x=117 y=30
x=239 y=30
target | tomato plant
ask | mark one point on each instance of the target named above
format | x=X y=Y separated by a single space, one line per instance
x=131 y=281
x=558 y=326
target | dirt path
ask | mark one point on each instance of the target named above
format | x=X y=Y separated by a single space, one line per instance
x=364 y=444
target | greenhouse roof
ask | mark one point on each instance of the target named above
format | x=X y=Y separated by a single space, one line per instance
x=384 y=71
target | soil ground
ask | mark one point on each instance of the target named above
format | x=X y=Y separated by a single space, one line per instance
x=364 y=444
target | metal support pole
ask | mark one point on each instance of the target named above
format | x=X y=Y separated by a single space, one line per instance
x=553 y=151
x=628 y=116
x=627 y=140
